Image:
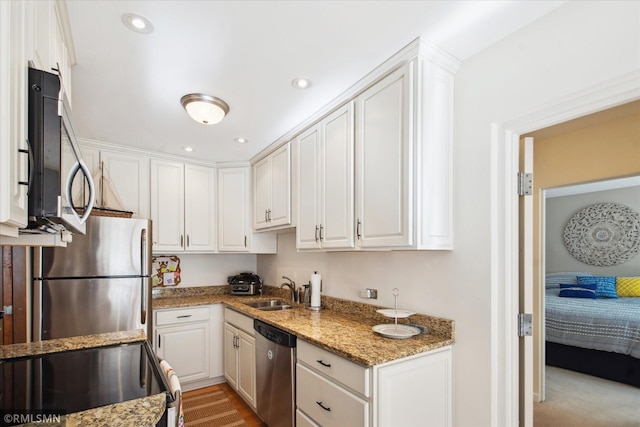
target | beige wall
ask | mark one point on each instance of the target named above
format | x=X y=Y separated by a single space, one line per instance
x=593 y=148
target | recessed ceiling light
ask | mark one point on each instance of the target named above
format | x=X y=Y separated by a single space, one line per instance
x=188 y=149
x=241 y=140
x=137 y=23
x=301 y=83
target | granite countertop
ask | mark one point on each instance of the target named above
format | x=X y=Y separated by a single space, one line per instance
x=342 y=327
x=132 y=413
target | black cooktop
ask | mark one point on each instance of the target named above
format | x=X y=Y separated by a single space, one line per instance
x=78 y=380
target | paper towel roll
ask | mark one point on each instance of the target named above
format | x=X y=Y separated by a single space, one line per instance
x=315 y=289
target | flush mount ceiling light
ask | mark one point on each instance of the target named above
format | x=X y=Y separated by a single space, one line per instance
x=137 y=23
x=204 y=109
x=241 y=140
x=301 y=83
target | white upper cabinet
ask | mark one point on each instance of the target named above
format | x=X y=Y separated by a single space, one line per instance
x=233 y=209
x=52 y=44
x=234 y=214
x=326 y=183
x=199 y=197
x=13 y=118
x=404 y=133
x=272 y=190
x=399 y=176
x=128 y=176
x=182 y=207
x=384 y=155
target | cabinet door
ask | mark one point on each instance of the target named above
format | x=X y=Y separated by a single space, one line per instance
x=127 y=176
x=230 y=355
x=337 y=179
x=417 y=389
x=186 y=349
x=42 y=30
x=199 y=193
x=384 y=167
x=167 y=205
x=247 y=367
x=13 y=118
x=233 y=209
x=280 y=210
x=308 y=228
x=261 y=193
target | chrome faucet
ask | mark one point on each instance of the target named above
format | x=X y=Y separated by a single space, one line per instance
x=292 y=286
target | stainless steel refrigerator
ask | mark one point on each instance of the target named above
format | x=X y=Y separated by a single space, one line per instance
x=99 y=283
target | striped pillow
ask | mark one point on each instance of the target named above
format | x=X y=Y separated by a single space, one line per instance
x=553 y=280
x=605 y=285
x=628 y=286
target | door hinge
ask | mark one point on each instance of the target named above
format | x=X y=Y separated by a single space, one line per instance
x=525 y=324
x=525 y=184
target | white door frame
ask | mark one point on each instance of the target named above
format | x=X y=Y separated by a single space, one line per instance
x=505 y=137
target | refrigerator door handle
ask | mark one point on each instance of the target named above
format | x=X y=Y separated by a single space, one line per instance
x=143 y=280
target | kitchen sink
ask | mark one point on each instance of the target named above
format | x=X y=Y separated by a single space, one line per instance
x=269 y=305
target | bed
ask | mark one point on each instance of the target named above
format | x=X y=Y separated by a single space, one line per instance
x=599 y=337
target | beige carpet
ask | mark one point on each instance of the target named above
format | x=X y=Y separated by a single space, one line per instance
x=578 y=400
x=212 y=409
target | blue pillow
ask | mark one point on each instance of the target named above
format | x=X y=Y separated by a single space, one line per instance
x=578 y=291
x=605 y=285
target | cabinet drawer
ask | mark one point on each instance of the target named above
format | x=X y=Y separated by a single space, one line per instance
x=327 y=403
x=240 y=320
x=337 y=368
x=303 y=421
x=183 y=315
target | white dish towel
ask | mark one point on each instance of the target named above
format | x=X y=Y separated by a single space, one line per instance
x=176 y=391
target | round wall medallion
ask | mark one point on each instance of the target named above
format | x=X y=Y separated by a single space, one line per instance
x=603 y=234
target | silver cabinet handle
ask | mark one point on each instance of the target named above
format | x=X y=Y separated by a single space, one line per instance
x=358 y=235
x=321 y=232
x=184 y=316
x=187 y=240
x=316 y=233
x=181 y=241
x=245 y=241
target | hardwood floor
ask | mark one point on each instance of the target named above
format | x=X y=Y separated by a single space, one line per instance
x=246 y=412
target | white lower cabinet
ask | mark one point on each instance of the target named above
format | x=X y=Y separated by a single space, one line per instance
x=188 y=339
x=240 y=355
x=333 y=391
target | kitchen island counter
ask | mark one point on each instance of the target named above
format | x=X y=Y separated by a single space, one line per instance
x=342 y=327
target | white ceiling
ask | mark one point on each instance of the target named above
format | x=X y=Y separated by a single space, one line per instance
x=127 y=86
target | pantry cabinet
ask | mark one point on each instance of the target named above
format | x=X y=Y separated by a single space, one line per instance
x=234 y=214
x=13 y=118
x=188 y=339
x=333 y=391
x=182 y=207
x=326 y=183
x=272 y=190
x=240 y=354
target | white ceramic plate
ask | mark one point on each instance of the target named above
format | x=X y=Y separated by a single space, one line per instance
x=390 y=312
x=398 y=332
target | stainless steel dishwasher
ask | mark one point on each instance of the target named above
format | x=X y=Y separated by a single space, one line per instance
x=275 y=375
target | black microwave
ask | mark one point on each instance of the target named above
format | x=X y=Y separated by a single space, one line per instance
x=50 y=134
